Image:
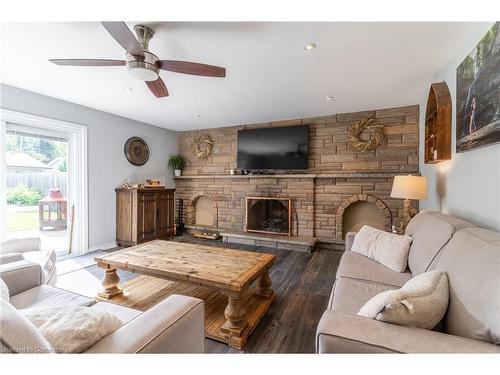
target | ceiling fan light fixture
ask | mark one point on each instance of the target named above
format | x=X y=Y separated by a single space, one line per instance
x=143 y=69
x=143 y=74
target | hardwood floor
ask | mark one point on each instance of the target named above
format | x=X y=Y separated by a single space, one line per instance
x=302 y=282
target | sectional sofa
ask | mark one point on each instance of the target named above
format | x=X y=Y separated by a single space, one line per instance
x=471 y=257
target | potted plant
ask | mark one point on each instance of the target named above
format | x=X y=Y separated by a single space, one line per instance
x=177 y=162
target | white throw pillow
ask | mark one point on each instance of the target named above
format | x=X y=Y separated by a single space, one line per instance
x=18 y=334
x=387 y=248
x=4 y=290
x=421 y=302
x=72 y=329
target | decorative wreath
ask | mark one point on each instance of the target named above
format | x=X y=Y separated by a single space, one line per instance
x=203 y=146
x=376 y=131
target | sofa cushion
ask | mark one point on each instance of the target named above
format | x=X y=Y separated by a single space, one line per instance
x=430 y=231
x=360 y=267
x=10 y=257
x=349 y=295
x=48 y=296
x=472 y=262
x=345 y=333
x=21 y=275
x=387 y=248
x=18 y=334
x=421 y=302
x=125 y=314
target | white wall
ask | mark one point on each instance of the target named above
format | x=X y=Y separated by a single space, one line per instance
x=107 y=166
x=468 y=185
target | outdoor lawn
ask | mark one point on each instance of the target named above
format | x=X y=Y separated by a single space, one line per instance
x=17 y=221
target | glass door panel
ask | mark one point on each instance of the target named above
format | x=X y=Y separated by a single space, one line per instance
x=36 y=176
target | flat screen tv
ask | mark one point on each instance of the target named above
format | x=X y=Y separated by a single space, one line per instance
x=285 y=148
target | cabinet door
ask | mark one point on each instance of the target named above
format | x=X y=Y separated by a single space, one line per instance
x=125 y=218
x=146 y=217
x=164 y=208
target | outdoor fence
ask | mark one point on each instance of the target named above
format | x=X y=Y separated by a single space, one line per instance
x=41 y=181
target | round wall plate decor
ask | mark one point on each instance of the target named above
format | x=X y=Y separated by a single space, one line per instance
x=136 y=151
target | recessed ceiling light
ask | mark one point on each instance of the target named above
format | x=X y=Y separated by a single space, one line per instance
x=128 y=89
x=310 y=46
x=329 y=98
x=197 y=116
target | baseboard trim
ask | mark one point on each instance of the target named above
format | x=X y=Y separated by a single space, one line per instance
x=105 y=246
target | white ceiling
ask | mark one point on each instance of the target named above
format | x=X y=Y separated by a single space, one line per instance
x=269 y=74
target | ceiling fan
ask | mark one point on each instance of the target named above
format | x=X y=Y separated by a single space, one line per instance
x=141 y=63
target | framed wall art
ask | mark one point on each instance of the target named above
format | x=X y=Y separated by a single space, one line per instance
x=478 y=94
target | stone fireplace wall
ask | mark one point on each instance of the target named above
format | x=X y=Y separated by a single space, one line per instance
x=336 y=173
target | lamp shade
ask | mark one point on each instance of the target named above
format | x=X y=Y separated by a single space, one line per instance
x=409 y=187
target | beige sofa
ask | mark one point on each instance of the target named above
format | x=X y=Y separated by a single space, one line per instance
x=471 y=257
x=175 y=325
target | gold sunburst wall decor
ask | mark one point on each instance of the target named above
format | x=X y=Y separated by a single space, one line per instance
x=376 y=135
x=203 y=146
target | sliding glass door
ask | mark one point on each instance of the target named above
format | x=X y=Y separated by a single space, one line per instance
x=43 y=182
x=37 y=186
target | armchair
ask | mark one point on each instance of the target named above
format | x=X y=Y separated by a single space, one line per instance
x=18 y=249
x=175 y=325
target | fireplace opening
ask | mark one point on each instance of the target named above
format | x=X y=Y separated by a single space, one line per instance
x=362 y=213
x=268 y=215
x=205 y=212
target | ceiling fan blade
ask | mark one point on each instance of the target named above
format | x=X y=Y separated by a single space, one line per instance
x=186 y=67
x=122 y=34
x=158 y=88
x=87 y=62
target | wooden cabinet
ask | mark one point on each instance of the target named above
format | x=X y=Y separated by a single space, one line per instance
x=143 y=215
x=438 y=124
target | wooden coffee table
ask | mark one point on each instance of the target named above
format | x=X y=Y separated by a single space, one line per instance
x=234 y=308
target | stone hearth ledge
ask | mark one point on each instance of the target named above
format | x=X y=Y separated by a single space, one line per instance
x=275 y=241
x=296 y=243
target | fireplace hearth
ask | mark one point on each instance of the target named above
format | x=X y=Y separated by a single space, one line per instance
x=268 y=215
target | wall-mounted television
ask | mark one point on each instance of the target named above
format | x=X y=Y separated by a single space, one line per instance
x=283 y=148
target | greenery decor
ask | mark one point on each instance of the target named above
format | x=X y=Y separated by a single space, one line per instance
x=23 y=196
x=177 y=161
x=376 y=135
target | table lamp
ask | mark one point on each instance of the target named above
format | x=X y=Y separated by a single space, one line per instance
x=408 y=187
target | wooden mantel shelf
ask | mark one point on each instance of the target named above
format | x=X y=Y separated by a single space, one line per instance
x=308 y=175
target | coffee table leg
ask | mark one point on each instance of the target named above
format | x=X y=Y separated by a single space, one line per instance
x=110 y=284
x=264 y=285
x=234 y=313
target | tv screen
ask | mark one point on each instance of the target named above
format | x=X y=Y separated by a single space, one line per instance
x=274 y=148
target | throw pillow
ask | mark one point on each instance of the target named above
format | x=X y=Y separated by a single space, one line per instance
x=72 y=329
x=421 y=302
x=18 y=334
x=387 y=248
x=4 y=290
